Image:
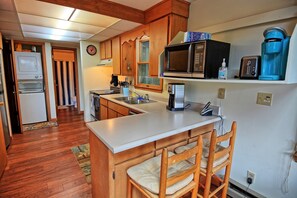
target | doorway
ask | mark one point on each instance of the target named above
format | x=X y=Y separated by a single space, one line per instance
x=65 y=73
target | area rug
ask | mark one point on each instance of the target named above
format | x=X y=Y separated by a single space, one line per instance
x=82 y=154
x=40 y=125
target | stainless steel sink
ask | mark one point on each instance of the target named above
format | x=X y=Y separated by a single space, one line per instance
x=133 y=100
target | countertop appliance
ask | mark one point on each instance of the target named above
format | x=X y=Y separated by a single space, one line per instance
x=176 y=96
x=250 y=67
x=95 y=101
x=274 y=54
x=200 y=59
x=32 y=101
x=28 y=66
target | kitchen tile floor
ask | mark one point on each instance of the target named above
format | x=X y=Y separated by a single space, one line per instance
x=41 y=164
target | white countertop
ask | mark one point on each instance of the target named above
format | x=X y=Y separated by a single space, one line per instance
x=123 y=133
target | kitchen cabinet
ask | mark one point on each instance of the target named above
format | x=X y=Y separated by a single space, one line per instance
x=103 y=109
x=103 y=112
x=117 y=109
x=109 y=170
x=128 y=58
x=3 y=154
x=158 y=40
x=116 y=55
x=1 y=44
x=105 y=50
x=112 y=114
x=109 y=110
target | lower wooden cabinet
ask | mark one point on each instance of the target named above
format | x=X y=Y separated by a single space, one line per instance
x=103 y=112
x=112 y=114
x=109 y=171
x=109 y=110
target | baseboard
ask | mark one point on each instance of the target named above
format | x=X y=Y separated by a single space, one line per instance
x=237 y=190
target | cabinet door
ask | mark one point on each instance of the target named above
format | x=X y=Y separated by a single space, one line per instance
x=102 y=51
x=128 y=58
x=158 y=40
x=108 y=49
x=121 y=175
x=116 y=55
x=112 y=114
x=103 y=112
x=3 y=155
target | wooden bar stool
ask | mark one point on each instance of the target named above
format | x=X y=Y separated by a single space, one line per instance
x=215 y=158
x=168 y=175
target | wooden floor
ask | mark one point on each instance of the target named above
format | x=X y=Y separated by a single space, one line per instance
x=41 y=164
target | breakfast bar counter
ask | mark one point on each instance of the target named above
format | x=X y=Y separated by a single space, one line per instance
x=155 y=123
x=117 y=144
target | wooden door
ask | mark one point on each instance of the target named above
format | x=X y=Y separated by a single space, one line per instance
x=158 y=41
x=116 y=55
x=3 y=154
x=128 y=58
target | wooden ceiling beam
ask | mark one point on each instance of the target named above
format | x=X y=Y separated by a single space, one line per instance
x=166 y=7
x=104 y=7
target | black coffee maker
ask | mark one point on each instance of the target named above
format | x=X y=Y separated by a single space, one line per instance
x=176 y=96
x=114 y=80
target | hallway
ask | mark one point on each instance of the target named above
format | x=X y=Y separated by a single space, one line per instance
x=41 y=164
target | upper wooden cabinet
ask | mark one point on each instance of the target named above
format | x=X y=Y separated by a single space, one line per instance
x=116 y=55
x=158 y=40
x=105 y=50
x=128 y=58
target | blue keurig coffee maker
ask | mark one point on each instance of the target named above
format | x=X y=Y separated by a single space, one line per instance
x=274 y=54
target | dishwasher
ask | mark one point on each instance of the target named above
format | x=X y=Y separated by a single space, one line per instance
x=95 y=101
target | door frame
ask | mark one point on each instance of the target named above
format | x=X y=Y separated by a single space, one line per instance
x=76 y=77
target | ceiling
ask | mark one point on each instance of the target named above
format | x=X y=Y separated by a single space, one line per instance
x=36 y=20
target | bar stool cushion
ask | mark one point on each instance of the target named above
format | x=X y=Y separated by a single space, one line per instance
x=147 y=174
x=205 y=153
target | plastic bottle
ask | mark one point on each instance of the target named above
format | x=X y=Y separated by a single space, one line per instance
x=223 y=71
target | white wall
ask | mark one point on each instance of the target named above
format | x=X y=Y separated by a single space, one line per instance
x=265 y=134
x=93 y=77
x=51 y=88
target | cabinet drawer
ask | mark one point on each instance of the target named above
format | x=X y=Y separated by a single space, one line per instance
x=133 y=153
x=201 y=130
x=172 y=140
x=103 y=101
x=118 y=108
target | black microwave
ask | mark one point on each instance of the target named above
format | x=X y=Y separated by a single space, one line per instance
x=200 y=59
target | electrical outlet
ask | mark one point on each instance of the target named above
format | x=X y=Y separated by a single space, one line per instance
x=251 y=175
x=221 y=93
x=264 y=99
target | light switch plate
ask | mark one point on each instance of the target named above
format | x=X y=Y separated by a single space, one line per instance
x=264 y=99
x=221 y=93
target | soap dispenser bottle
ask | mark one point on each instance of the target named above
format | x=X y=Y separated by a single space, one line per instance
x=223 y=71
